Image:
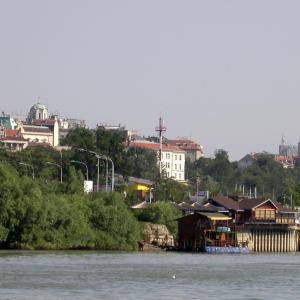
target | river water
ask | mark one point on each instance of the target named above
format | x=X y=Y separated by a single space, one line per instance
x=100 y=275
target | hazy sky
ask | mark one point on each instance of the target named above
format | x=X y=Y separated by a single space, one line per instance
x=224 y=73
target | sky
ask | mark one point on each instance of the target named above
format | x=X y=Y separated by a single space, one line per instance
x=223 y=73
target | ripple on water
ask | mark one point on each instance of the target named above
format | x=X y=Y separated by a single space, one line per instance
x=106 y=275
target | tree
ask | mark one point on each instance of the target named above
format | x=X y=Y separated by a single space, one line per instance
x=161 y=213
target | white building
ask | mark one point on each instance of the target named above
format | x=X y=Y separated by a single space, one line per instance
x=172 y=160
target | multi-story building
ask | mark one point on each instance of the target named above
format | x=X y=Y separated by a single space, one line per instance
x=7 y=122
x=172 y=158
x=193 y=151
x=39 y=134
x=130 y=134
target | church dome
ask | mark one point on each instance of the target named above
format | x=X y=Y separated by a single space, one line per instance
x=39 y=106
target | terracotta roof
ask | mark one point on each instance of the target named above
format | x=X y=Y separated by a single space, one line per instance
x=11 y=133
x=154 y=146
x=185 y=144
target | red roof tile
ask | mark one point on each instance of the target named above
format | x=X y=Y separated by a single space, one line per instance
x=154 y=146
x=11 y=133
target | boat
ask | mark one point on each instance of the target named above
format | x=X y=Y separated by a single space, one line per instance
x=223 y=240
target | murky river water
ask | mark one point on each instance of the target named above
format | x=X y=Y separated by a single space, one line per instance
x=98 y=275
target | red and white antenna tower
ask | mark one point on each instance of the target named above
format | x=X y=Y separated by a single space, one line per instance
x=160 y=129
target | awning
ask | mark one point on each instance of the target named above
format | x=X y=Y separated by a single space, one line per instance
x=215 y=216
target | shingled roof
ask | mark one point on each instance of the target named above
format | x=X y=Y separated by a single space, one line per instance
x=248 y=204
x=226 y=202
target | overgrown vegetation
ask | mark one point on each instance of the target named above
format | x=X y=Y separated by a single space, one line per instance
x=39 y=215
x=222 y=177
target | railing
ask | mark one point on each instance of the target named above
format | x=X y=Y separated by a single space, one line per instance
x=278 y=220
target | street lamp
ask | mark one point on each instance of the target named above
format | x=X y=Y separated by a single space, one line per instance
x=98 y=162
x=112 y=174
x=56 y=165
x=30 y=166
x=82 y=163
x=106 y=158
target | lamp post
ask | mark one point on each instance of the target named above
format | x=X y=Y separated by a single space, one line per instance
x=82 y=163
x=56 y=165
x=112 y=173
x=106 y=158
x=30 y=166
x=98 y=162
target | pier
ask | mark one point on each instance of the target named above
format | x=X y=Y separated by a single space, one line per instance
x=271 y=238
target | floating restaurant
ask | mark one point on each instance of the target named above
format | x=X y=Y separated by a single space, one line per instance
x=225 y=224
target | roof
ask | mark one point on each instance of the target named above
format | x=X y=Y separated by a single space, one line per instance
x=215 y=216
x=195 y=207
x=39 y=106
x=226 y=202
x=283 y=209
x=47 y=122
x=248 y=204
x=41 y=129
x=154 y=146
x=140 y=181
x=185 y=144
x=11 y=133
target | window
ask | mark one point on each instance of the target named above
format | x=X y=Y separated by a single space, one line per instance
x=259 y=214
x=175 y=157
x=265 y=214
x=162 y=155
x=168 y=174
x=175 y=175
x=179 y=166
x=175 y=167
x=179 y=176
x=180 y=157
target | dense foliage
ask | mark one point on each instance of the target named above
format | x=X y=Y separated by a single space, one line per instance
x=39 y=215
x=161 y=213
x=222 y=177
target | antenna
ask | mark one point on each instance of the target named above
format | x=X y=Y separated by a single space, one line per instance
x=160 y=129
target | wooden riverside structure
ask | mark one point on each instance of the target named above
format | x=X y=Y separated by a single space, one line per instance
x=260 y=225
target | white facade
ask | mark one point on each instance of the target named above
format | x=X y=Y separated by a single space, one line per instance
x=173 y=164
x=172 y=160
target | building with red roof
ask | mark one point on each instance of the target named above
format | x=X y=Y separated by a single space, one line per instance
x=172 y=160
x=193 y=151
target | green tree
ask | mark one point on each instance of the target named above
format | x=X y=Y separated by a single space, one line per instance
x=161 y=213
